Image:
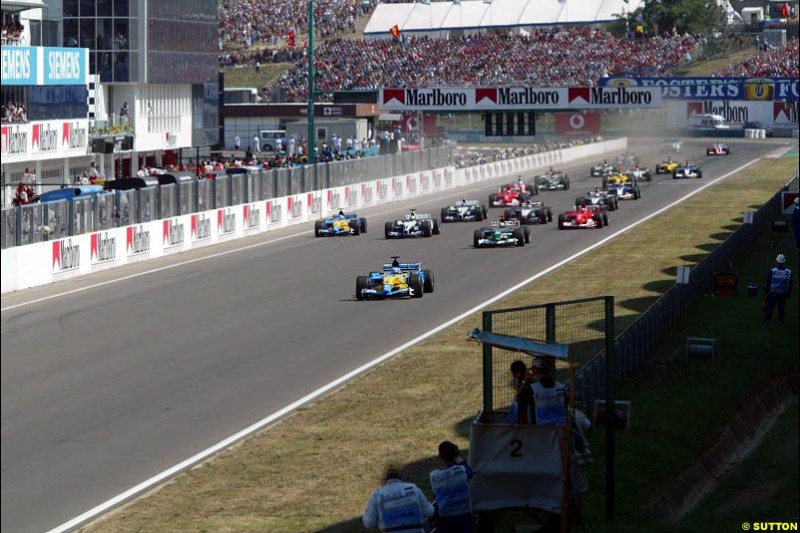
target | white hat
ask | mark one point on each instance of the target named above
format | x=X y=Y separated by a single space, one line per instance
x=781 y=258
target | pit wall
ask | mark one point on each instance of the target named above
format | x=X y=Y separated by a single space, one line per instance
x=47 y=262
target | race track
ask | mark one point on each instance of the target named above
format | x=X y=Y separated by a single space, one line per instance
x=104 y=388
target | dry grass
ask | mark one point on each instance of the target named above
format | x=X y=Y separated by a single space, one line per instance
x=705 y=68
x=315 y=470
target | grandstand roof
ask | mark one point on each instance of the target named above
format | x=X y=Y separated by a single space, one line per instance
x=439 y=18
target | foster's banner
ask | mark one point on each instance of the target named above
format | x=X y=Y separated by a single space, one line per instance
x=697 y=88
x=518 y=98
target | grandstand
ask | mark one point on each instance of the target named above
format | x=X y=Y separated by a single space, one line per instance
x=561 y=56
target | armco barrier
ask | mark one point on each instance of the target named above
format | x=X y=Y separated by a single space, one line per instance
x=45 y=262
x=637 y=341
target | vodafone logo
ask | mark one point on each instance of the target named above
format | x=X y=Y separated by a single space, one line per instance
x=576 y=122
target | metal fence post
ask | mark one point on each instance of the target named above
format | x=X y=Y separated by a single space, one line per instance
x=610 y=411
x=487 y=365
x=550 y=323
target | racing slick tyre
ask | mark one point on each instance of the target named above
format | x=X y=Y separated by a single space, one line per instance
x=427 y=228
x=508 y=214
x=484 y=211
x=709 y=152
x=598 y=221
x=362 y=282
x=492 y=199
x=355 y=227
x=699 y=175
x=549 y=215
x=317 y=227
x=387 y=229
x=674 y=175
x=476 y=238
x=480 y=214
x=445 y=214
x=610 y=204
x=579 y=200
x=436 y=229
x=362 y=225
x=566 y=184
x=520 y=236
x=527 y=232
x=543 y=217
x=605 y=219
x=427 y=285
x=562 y=219
x=415 y=284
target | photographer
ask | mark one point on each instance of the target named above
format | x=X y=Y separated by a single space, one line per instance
x=450 y=485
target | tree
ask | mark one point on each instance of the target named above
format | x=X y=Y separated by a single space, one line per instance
x=685 y=16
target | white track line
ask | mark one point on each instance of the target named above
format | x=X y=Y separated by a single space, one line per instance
x=208 y=452
x=206 y=257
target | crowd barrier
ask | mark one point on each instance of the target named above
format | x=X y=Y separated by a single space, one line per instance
x=635 y=344
x=57 y=259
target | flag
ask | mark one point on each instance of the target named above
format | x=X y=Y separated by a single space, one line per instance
x=292 y=38
x=785 y=11
x=395 y=31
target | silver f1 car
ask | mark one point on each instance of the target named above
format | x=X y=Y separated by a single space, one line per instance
x=412 y=225
x=530 y=213
x=464 y=211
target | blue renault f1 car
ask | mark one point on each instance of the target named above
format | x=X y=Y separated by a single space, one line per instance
x=395 y=281
x=340 y=224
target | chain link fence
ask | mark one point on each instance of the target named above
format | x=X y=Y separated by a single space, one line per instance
x=583 y=325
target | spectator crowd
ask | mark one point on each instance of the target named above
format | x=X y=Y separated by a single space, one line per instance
x=470 y=158
x=773 y=62
x=14 y=113
x=12 y=32
x=572 y=56
x=250 y=22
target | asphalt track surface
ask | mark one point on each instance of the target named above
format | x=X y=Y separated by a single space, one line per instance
x=109 y=386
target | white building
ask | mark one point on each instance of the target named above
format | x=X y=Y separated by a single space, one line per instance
x=158 y=57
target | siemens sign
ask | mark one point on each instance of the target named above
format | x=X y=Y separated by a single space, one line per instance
x=65 y=66
x=36 y=65
x=19 y=65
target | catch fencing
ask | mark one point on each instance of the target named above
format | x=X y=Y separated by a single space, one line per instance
x=37 y=222
x=584 y=325
x=637 y=342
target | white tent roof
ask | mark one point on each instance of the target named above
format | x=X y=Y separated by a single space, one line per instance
x=425 y=17
x=475 y=14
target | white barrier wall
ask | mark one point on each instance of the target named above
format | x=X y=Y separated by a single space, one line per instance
x=46 y=262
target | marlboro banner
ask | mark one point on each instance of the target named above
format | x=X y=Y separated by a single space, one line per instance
x=518 y=98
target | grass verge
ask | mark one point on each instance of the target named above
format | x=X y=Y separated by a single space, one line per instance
x=708 y=67
x=315 y=470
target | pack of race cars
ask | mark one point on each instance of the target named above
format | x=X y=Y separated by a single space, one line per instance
x=620 y=181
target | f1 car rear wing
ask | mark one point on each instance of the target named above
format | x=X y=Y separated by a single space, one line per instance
x=467 y=203
x=412 y=267
x=510 y=223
